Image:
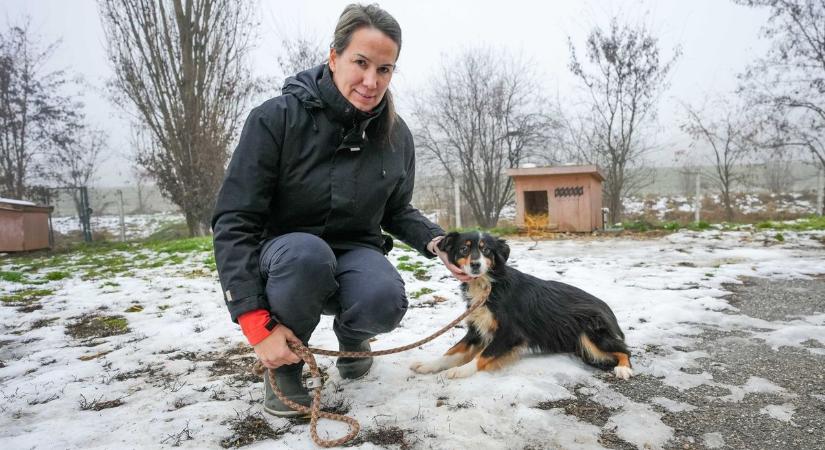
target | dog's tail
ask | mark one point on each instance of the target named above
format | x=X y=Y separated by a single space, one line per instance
x=606 y=352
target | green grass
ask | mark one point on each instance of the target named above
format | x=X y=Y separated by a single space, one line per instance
x=57 y=275
x=420 y=292
x=12 y=277
x=807 y=224
x=26 y=295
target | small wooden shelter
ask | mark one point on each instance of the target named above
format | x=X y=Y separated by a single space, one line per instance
x=23 y=225
x=570 y=195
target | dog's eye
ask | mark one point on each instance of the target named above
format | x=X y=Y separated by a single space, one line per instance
x=463 y=249
x=485 y=251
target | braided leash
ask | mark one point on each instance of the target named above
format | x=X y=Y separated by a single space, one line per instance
x=306 y=353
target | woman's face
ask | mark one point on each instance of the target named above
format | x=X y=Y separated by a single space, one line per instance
x=362 y=72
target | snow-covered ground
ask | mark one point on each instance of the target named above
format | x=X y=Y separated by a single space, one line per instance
x=137 y=226
x=177 y=376
x=660 y=206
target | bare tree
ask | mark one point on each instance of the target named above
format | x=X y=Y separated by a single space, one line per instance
x=481 y=114
x=730 y=140
x=142 y=178
x=74 y=162
x=300 y=53
x=34 y=112
x=180 y=65
x=789 y=81
x=627 y=76
x=778 y=177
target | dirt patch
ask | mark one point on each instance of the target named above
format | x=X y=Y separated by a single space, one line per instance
x=249 y=428
x=40 y=323
x=582 y=408
x=97 y=326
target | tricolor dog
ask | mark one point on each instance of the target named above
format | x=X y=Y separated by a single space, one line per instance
x=523 y=313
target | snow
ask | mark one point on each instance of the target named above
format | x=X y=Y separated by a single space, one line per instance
x=16 y=202
x=664 y=292
x=137 y=226
x=782 y=413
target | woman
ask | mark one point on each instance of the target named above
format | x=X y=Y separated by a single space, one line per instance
x=318 y=173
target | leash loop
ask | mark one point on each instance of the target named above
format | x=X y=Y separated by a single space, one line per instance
x=315 y=382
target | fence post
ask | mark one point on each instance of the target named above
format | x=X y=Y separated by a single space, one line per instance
x=819 y=188
x=698 y=200
x=122 y=222
x=457 y=194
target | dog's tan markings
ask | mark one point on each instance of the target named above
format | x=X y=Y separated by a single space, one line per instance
x=495 y=363
x=622 y=370
x=595 y=353
x=484 y=321
x=463 y=353
x=624 y=361
x=468 y=242
x=462 y=262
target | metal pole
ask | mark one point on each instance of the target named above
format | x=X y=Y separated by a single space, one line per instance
x=87 y=212
x=698 y=200
x=819 y=188
x=457 y=195
x=122 y=222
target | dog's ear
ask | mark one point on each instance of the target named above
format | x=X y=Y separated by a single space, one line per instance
x=446 y=245
x=502 y=250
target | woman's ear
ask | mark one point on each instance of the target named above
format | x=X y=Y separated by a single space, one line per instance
x=503 y=250
x=332 y=59
x=446 y=245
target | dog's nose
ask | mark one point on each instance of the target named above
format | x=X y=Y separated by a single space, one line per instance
x=475 y=266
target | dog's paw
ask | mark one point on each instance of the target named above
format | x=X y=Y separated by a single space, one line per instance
x=423 y=367
x=623 y=372
x=462 y=371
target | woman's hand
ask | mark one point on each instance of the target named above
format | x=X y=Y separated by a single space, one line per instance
x=455 y=270
x=274 y=352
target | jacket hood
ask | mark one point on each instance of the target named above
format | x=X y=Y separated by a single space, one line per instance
x=315 y=88
x=304 y=86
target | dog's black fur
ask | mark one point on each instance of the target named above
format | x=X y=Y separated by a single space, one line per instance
x=528 y=312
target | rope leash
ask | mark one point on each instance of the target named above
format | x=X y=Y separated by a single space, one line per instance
x=306 y=354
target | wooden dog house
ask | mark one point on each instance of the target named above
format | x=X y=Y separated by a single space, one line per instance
x=23 y=226
x=570 y=195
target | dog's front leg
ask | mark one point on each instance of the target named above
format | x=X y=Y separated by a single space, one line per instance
x=464 y=351
x=501 y=352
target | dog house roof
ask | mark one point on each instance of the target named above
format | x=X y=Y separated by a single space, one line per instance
x=557 y=170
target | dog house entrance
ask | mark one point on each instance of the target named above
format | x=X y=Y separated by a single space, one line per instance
x=535 y=203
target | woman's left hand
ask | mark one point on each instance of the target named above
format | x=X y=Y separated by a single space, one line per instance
x=459 y=274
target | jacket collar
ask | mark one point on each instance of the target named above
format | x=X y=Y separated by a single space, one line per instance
x=340 y=109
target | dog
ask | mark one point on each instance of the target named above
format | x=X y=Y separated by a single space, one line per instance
x=523 y=313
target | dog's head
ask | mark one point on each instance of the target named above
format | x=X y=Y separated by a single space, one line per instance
x=474 y=252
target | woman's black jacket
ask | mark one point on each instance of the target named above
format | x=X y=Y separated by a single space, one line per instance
x=308 y=161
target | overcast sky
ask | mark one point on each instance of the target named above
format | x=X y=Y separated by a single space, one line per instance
x=718 y=39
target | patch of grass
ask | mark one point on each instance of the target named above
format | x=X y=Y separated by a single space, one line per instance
x=409 y=266
x=98 y=404
x=807 y=224
x=25 y=296
x=57 y=275
x=134 y=308
x=98 y=327
x=404 y=258
x=164 y=307
x=638 y=225
x=188 y=245
x=170 y=231
x=12 y=277
x=384 y=436
x=420 y=292
x=698 y=226
x=671 y=226
x=250 y=428
x=779 y=237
